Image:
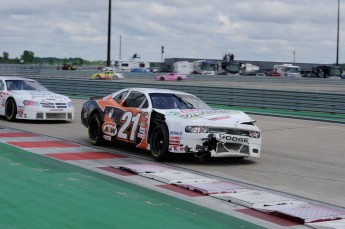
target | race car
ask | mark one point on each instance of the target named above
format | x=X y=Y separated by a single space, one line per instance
x=22 y=98
x=166 y=122
x=107 y=75
x=171 y=77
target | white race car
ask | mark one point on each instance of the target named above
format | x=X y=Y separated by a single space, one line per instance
x=22 y=98
x=167 y=121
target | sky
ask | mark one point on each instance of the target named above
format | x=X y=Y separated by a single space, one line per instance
x=303 y=31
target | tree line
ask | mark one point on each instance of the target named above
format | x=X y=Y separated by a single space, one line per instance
x=28 y=57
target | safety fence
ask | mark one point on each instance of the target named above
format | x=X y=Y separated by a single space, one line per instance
x=319 y=103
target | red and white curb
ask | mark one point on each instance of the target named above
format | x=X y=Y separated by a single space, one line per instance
x=274 y=210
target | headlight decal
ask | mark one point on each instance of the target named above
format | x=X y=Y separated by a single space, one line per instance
x=30 y=103
x=254 y=134
x=196 y=129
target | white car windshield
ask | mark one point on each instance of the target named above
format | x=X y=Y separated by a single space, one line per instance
x=27 y=85
x=176 y=101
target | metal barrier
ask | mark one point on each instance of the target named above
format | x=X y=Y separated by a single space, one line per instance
x=332 y=103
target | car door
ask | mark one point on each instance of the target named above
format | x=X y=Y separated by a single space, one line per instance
x=132 y=124
x=2 y=98
x=108 y=74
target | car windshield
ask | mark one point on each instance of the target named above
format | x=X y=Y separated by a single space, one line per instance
x=176 y=101
x=27 y=85
x=292 y=70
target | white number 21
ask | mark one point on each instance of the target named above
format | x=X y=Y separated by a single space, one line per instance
x=129 y=120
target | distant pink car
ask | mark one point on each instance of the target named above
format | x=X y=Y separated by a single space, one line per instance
x=171 y=76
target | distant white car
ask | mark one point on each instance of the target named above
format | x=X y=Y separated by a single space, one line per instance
x=22 y=98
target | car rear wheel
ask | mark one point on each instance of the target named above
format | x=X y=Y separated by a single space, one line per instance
x=161 y=79
x=11 y=109
x=97 y=77
x=179 y=79
x=160 y=143
x=95 y=130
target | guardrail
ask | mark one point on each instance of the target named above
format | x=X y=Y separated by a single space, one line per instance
x=330 y=103
x=324 y=105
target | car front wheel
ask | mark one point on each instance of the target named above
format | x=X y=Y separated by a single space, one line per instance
x=95 y=130
x=160 y=143
x=11 y=110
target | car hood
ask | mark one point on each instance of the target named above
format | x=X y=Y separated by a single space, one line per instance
x=41 y=96
x=213 y=117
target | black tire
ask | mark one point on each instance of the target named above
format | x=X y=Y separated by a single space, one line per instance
x=161 y=79
x=159 y=143
x=179 y=79
x=95 y=130
x=11 y=110
x=98 y=77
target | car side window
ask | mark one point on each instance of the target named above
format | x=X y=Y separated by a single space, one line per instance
x=120 y=96
x=146 y=104
x=135 y=99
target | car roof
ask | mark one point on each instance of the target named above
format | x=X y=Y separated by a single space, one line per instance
x=13 y=78
x=157 y=90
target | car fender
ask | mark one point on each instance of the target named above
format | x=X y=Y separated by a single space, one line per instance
x=89 y=108
x=173 y=123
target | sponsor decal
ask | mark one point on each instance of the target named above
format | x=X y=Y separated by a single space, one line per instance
x=143 y=124
x=20 y=113
x=174 y=142
x=142 y=130
x=109 y=128
x=107 y=137
x=220 y=118
x=189 y=114
x=232 y=138
x=56 y=109
x=176 y=148
x=175 y=132
x=140 y=135
x=176 y=138
x=172 y=113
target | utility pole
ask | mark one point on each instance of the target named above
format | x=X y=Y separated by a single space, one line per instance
x=294 y=56
x=109 y=35
x=337 y=62
x=120 y=47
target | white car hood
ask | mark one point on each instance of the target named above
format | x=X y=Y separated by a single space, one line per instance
x=40 y=96
x=207 y=117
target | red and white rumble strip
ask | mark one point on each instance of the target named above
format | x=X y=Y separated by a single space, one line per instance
x=267 y=209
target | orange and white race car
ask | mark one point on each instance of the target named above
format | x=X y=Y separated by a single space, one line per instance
x=167 y=121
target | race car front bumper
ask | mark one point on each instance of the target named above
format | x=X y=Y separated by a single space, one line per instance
x=224 y=145
x=41 y=113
